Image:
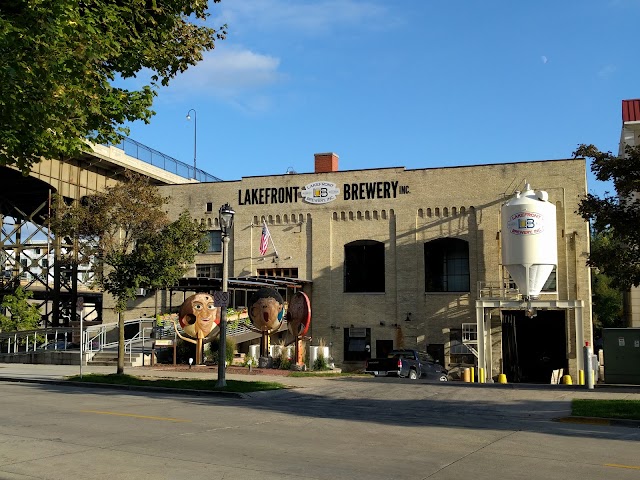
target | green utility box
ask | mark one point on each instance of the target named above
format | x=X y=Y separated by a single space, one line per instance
x=621 y=355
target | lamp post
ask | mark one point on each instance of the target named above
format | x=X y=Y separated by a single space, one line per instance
x=195 y=137
x=226 y=225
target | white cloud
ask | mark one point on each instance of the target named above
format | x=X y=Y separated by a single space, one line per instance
x=228 y=73
x=241 y=76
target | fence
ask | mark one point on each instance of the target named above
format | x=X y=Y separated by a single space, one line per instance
x=158 y=159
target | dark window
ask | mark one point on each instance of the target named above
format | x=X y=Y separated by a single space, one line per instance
x=239 y=298
x=364 y=266
x=446 y=262
x=209 y=207
x=209 y=270
x=214 y=237
x=357 y=344
x=44 y=262
x=550 y=284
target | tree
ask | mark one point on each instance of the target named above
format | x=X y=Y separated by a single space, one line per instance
x=607 y=304
x=608 y=309
x=24 y=315
x=60 y=59
x=131 y=241
x=615 y=216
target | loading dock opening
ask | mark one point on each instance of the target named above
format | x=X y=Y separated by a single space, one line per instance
x=483 y=319
x=532 y=347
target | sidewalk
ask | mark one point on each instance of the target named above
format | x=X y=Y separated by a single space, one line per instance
x=31 y=372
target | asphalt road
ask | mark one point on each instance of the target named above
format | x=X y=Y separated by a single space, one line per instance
x=351 y=428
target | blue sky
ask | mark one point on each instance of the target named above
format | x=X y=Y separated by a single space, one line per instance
x=413 y=83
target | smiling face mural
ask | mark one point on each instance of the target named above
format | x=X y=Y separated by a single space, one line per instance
x=198 y=316
x=266 y=309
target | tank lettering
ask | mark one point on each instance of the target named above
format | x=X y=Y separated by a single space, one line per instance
x=526 y=223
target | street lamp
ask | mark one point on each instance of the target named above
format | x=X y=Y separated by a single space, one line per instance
x=226 y=225
x=195 y=137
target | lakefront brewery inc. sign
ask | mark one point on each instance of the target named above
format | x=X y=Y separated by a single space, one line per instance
x=321 y=192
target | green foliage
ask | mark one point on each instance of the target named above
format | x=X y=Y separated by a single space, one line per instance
x=607 y=303
x=127 y=234
x=320 y=363
x=236 y=323
x=184 y=351
x=178 y=384
x=60 y=59
x=618 y=409
x=248 y=360
x=164 y=355
x=24 y=315
x=285 y=364
x=163 y=256
x=212 y=353
x=615 y=216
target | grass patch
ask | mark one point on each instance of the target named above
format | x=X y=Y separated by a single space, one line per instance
x=179 y=383
x=619 y=409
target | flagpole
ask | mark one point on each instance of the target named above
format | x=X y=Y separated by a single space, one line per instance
x=264 y=222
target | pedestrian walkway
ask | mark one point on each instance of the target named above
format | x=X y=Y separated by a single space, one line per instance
x=31 y=372
x=541 y=402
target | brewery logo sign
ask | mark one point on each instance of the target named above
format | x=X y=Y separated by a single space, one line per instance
x=319 y=192
x=526 y=223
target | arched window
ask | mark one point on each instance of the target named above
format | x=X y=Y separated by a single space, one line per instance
x=446 y=265
x=364 y=266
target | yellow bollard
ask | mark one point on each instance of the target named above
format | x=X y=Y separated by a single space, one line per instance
x=580 y=377
x=481 y=375
x=466 y=377
x=502 y=378
x=566 y=380
x=472 y=374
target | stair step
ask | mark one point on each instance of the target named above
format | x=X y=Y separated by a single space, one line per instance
x=110 y=358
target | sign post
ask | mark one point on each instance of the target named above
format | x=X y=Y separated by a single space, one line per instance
x=80 y=311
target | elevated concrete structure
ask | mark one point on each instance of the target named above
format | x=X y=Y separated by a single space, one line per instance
x=27 y=246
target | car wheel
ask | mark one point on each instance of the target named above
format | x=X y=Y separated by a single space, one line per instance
x=413 y=375
x=444 y=377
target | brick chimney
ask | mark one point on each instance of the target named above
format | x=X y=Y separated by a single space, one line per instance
x=326 y=162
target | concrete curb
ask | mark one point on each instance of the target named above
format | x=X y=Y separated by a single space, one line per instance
x=609 y=422
x=136 y=388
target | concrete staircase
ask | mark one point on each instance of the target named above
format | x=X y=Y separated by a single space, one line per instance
x=110 y=358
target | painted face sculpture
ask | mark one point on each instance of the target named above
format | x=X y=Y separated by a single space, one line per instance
x=198 y=316
x=299 y=313
x=266 y=309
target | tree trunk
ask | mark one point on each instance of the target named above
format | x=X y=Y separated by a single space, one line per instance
x=120 y=370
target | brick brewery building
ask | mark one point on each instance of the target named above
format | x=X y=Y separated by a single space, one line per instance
x=395 y=257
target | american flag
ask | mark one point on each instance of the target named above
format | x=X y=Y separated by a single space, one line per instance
x=264 y=239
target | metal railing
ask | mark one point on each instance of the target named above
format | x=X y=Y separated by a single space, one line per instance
x=158 y=159
x=500 y=290
x=25 y=341
x=139 y=338
x=95 y=338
